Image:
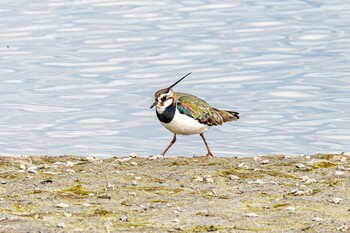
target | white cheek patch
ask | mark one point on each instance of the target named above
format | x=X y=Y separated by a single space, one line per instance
x=166 y=103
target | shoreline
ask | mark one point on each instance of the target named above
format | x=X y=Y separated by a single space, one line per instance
x=276 y=193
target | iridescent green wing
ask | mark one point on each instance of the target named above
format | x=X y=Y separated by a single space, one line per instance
x=198 y=109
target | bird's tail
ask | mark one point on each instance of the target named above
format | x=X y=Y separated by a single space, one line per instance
x=228 y=115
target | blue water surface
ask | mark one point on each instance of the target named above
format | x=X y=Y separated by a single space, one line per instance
x=78 y=77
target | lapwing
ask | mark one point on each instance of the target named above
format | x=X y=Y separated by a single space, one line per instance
x=186 y=114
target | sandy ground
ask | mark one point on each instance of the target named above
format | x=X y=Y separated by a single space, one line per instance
x=131 y=194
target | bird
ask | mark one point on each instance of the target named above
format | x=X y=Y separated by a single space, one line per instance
x=186 y=114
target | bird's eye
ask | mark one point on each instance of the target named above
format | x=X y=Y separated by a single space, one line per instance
x=164 y=98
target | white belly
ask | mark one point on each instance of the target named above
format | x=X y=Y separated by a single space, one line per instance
x=185 y=125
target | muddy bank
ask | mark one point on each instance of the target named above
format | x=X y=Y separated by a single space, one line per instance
x=255 y=194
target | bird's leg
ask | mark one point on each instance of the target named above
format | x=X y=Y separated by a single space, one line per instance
x=171 y=143
x=206 y=144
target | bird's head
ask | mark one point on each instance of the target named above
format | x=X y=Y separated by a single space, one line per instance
x=165 y=97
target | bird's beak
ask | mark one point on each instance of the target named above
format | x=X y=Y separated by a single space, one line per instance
x=154 y=104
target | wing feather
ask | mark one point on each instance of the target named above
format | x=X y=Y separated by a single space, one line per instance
x=198 y=109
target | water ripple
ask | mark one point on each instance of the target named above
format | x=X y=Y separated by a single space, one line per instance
x=88 y=70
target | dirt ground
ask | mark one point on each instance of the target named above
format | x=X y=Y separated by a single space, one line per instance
x=132 y=194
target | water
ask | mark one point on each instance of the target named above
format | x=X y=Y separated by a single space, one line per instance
x=78 y=77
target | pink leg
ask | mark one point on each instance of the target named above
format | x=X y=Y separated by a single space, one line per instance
x=171 y=143
x=206 y=144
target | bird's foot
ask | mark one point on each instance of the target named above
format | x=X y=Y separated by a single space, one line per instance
x=210 y=155
x=154 y=157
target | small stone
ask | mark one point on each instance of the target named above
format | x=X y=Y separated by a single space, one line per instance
x=242 y=165
x=213 y=193
x=342 y=168
x=70 y=163
x=90 y=159
x=87 y=204
x=71 y=171
x=300 y=165
x=133 y=155
x=339 y=173
x=62 y=205
x=234 y=177
x=297 y=192
x=265 y=161
x=176 y=220
x=132 y=194
x=123 y=218
x=344 y=228
x=300 y=193
x=343 y=159
x=123 y=160
x=209 y=180
x=180 y=210
x=33 y=169
x=335 y=200
x=22 y=167
x=251 y=215
x=304 y=178
x=154 y=157
x=48 y=181
x=197 y=179
x=290 y=208
x=317 y=219
x=61 y=225
x=257 y=158
x=126 y=159
x=311 y=180
x=67 y=214
x=51 y=173
x=134 y=182
x=109 y=186
x=3 y=182
x=258 y=181
x=138 y=178
x=133 y=163
x=59 y=163
x=293 y=191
